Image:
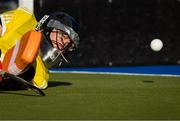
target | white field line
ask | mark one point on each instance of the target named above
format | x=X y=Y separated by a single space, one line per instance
x=115 y=73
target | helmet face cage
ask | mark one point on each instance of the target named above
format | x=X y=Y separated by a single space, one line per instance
x=70 y=32
x=63 y=22
x=70 y=47
x=47 y=24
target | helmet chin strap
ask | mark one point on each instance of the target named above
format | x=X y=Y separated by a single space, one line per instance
x=63 y=57
x=60 y=63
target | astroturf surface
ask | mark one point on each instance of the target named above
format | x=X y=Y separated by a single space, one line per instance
x=96 y=97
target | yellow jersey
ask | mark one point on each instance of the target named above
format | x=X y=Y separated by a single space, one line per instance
x=15 y=24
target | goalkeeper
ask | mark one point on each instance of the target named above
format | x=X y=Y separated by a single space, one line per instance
x=30 y=48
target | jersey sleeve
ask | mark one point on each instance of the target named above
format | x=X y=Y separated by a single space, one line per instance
x=24 y=53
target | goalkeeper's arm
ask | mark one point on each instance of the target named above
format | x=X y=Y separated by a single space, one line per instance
x=22 y=54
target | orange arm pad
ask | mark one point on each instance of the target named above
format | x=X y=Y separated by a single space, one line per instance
x=30 y=51
x=23 y=53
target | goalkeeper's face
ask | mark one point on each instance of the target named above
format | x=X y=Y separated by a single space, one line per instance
x=60 y=39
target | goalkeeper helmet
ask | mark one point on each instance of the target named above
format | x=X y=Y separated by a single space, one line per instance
x=59 y=21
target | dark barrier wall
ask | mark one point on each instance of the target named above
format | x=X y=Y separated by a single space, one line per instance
x=119 y=32
x=6 y=5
